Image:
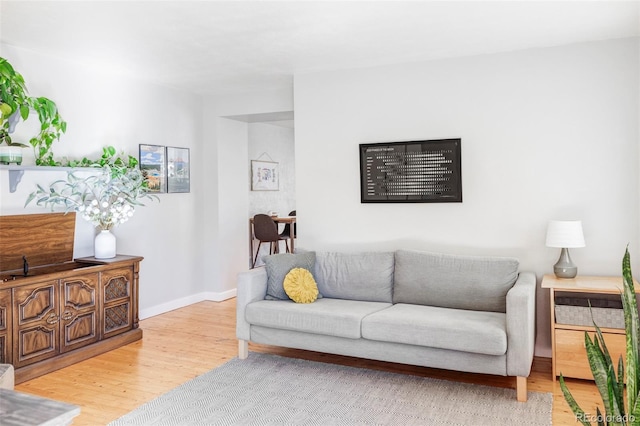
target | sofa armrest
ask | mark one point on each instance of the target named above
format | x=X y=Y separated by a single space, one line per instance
x=252 y=286
x=521 y=325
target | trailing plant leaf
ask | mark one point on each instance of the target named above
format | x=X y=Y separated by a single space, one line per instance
x=13 y=94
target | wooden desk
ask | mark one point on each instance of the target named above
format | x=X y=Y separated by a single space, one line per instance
x=277 y=219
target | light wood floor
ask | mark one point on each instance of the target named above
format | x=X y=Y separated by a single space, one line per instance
x=182 y=344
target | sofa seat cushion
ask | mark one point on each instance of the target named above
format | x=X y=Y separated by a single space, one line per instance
x=333 y=317
x=444 y=328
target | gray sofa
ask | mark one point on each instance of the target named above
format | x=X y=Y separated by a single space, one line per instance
x=464 y=313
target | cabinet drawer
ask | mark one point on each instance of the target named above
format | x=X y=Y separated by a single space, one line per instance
x=571 y=354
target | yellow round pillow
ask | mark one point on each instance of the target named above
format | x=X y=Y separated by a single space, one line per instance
x=300 y=286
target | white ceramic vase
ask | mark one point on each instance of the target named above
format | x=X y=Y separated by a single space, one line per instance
x=104 y=245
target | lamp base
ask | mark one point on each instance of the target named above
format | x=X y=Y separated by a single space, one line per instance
x=564 y=267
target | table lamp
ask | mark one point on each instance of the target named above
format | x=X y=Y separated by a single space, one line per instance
x=565 y=234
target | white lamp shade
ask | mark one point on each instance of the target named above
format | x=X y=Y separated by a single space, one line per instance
x=565 y=234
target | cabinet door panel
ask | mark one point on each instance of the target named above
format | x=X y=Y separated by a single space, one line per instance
x=36 y=342
x=35 y=302
x=35 y=321
x=118 y=307
x=80 y=292
x=5 y=326
x=117 y=285
x=80 y=323
x=117 y=319
x=571 y=354
x=81 y=330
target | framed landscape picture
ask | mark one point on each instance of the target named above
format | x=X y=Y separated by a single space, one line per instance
x=178 y=179
x=153 y=167
x=264 y=176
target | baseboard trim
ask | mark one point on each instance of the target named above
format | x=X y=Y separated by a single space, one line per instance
x=186 y=301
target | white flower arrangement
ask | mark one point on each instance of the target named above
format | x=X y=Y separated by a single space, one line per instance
x=104 y=215
x=106 y=199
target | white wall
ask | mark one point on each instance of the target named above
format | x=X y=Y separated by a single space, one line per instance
x=105 y=109
x=546 y=134
x=225 y=249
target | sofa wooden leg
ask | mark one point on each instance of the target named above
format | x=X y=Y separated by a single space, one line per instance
x=521 y=389
x=243 y=349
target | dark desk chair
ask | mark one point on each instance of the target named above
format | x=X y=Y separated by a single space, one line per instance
x=266 y=231
x=287 y=227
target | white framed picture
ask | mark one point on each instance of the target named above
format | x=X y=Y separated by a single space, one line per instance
x=178 y=176
x=265 y=176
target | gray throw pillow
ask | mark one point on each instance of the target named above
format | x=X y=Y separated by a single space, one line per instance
x=279 y=265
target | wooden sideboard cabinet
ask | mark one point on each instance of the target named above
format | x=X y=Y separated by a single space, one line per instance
x=64 y=312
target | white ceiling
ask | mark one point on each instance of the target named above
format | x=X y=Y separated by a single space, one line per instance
x=214 y=47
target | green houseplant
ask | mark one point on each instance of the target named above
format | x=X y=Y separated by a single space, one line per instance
x=611 y=385
x=16 y=104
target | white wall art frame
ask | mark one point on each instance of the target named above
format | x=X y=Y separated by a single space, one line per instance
x=265 y=176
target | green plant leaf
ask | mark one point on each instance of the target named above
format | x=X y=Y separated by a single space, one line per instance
x=616 y=399
x=632 y=330
x=601 y=422
x=599 y=369
x=616 y=413
x=24 y=111
x=620 y=383
x=634 y=414
x=577 y=411
x=30 y=198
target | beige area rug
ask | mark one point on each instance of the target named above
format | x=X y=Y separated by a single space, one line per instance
x=268 y=389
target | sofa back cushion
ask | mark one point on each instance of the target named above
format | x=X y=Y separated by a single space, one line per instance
x=366 y=276
x=451 y=281
x=279 y=265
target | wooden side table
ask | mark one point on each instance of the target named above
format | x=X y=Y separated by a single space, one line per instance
x=567 y=341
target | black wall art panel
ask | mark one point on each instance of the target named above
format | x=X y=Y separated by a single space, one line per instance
x=426 y=171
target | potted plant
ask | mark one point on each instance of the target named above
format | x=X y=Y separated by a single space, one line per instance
x=10 y=152
x=16 y=104
x=619 y=409
x=105 y=194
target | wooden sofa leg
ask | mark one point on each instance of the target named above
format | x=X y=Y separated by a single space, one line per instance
x=521 y=389
x=243 y=349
